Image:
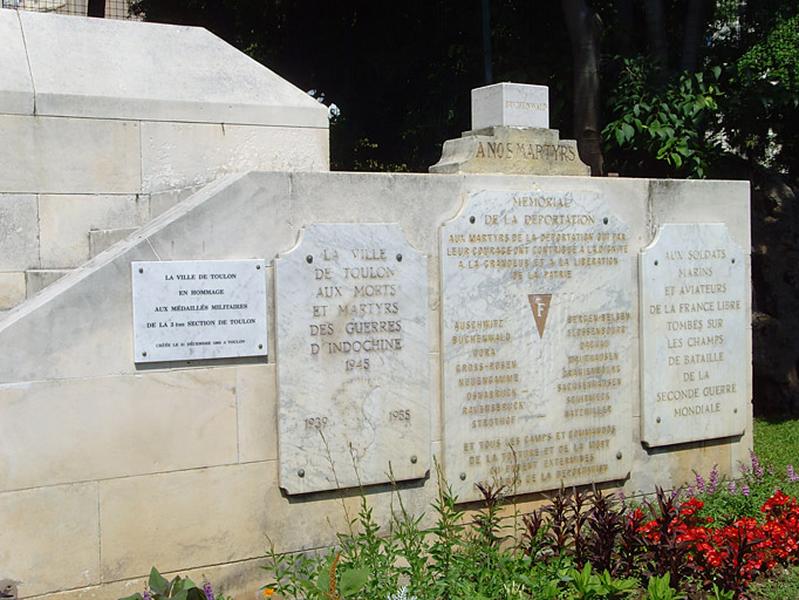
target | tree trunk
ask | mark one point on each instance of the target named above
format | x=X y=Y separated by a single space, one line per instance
x=695 y=18
x=656 y=32
x=583 y=25
x=488 y=74
x=624 y=40
x=96 y=8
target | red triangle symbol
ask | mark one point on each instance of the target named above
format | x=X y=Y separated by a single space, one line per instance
x=539 y=303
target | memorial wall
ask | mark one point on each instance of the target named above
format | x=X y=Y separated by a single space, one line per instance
x=255 y=358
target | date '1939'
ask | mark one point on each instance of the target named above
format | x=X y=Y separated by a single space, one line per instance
x=315 y=422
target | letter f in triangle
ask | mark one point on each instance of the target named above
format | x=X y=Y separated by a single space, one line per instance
x=539 y=303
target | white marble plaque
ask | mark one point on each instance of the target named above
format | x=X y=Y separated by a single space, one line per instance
x=198 y=309
x=353 y=369
x=694 y=335
x=510 y=105
x=538 y=341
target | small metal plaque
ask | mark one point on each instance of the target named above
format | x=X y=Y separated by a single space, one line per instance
x=198 y=309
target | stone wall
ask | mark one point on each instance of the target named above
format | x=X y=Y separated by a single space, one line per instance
x=107 y=468
x=100 y=133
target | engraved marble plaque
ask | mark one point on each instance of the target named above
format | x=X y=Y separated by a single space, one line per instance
x=198 y=309
x=538 y=341
x=694 y=335
x=352 y=358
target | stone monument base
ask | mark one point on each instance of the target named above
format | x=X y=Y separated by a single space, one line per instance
x=513 y=151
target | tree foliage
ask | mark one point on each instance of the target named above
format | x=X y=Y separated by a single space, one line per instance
x=682 y=83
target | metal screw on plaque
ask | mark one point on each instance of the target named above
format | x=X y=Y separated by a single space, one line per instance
x=733 y=261
x=309 y=259
x=605 y=220
x=618 y=455
x=399 y=257
x=257 y=267
x=658 y=419
x=414 y=459
x=260 y=346
x=735 y=410
x=656 y=263
x=301 y=473
x=144 y=354
x=471 y=219
x=8 y=589
x=141 y=270
x=463 y=476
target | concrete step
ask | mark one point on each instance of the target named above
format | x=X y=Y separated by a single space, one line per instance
x=38 y=279
x=102 y=239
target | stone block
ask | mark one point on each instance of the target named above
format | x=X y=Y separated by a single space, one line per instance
x=351 y=311
x=126 y=425
x=256 y=402
x=16 y=89
x=539 y=345
x=511 y=151
x=694 y=293
x=49 y=538
x=66 y=220
x=102 y=239
x=38 y=279
x=179 y=155
x=19 y=224
x=160 y=202
x=240 y=580
x=69 y=156
x=674 y=466
x=12 y=289
x=204 y=517
x=510 y=105
x=122 y=74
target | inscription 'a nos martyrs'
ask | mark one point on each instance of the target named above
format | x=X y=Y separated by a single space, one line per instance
x=525 y=151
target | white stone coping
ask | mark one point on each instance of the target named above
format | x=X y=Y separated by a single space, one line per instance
x=112 y=69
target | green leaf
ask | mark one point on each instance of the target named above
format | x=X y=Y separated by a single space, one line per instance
x=323 y=580
x=189 y=584
x=717 y=71
x=182 y=595
x=628 y=130
x=157 y=582
x=352 y=581
x=619 y=137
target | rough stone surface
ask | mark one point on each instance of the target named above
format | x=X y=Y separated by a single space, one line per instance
x=65 y=222
x=116 y=69
x=38 y=279
x=180 y=155
x=16 y=89
x=160 y=202
x=539 y=333
x=352 y=359
x=19 y=244
x=693 y=335
x=102 y=239
x=69 y=156
x=12 y=289
x=511 y=151
x=510 y=105
x=256 y=410
x=34 y=524
x=118 y=433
